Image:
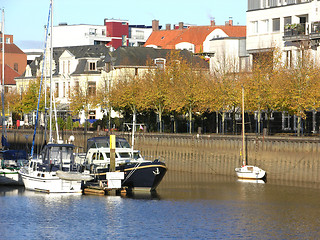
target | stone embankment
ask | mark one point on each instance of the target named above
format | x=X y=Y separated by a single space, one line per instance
x=283 y=158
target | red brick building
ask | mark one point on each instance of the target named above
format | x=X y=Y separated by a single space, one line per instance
x=118 y=31
x=15 y=61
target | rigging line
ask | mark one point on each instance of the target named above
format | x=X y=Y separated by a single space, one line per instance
x=132 y=171
x=43 y=61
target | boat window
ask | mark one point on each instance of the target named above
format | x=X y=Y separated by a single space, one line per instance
x=136 y=155
x=55 y=154
x=124 y=155
x=94 y=156
x=122 y=144
x=100 y=156
x=108 y=155
x=67 y=153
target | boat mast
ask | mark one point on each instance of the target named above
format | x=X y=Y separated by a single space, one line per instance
x=133 y=129
x=51 y=57
x=243 y=132
x=4 y=132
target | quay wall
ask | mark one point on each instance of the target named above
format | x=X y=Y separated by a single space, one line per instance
x=283 y=158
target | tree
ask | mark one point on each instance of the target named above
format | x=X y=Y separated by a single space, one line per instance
x=29 y=98
x=298 y=88
x=186 y=87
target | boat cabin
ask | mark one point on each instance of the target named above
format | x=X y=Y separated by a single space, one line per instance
x=57 y=157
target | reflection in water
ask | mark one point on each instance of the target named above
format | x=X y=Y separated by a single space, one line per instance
x=251 y=181
x=186 y=206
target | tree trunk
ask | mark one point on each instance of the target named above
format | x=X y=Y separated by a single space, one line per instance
x=190 y=121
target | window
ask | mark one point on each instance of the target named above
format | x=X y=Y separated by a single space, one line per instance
x=254 y=27
x=76 y=86
x=92 y=114
x=56 y=93
x=7 y=40
x=289 y=59
x=286 y=121
x=287 y=20
x=92 y=88
x=92 y=31
x=15 y=67
x=160 y=62
x=276 y=24
x=92 y=66
x=273 y=3
x=139 y=34
x=254 y=4
x=63 y=89
x=69 y=89
x=265 y=26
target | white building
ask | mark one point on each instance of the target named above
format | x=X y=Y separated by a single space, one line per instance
x=65 y=35
x=285 y=24
x=138 y=35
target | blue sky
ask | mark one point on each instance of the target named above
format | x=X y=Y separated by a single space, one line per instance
x=25 y=19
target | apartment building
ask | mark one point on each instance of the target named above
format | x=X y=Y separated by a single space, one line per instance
x=288 y=25
x=114 y=33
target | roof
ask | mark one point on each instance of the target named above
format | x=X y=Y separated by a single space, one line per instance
x=11 y=48
x=83 y=53
x=9 y=75
x=139 y=56
x=195 y=34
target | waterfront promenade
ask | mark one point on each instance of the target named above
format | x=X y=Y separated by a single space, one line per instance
x=283 y=158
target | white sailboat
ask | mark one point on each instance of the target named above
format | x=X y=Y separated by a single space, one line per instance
x=54 y=170
x=247 y=171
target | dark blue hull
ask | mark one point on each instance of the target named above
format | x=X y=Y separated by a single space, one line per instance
x=146 y=175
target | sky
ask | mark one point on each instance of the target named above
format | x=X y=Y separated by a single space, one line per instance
x=25 y=19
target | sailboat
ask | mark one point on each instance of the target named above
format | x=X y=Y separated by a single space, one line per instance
x=54 y=170
x=11 y=160
x=247 y=171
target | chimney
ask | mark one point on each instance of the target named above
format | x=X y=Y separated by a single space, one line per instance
x=212 y=22
x=180 y=25
x=168 y=26
x=155 y=25
x=230 y=21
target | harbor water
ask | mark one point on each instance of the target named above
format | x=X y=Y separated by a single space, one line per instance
x=186 y=206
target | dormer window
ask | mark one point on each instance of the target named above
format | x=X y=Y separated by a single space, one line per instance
x=92 y=66
x=160 y=62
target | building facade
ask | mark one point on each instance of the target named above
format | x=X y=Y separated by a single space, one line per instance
x=15 y=62
x=221 y=45
x=288 y=25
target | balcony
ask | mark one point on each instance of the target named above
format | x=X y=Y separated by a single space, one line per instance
x=315 y=30
x=295 y=32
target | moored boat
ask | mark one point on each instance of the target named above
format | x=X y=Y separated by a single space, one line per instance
x=139 y=174
x=11 y=161
x=247 y=171
x=45 y=172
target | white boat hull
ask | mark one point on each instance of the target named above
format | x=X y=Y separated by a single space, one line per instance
x=250 y=172
x=49 y=182
x=10 y=177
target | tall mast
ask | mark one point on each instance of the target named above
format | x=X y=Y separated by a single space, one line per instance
x=243 y=132
x=51 y=57
x=4 y=132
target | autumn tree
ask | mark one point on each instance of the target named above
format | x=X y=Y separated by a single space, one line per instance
x=186 y=87
x=298 y=88
x=126 y=93
x=259 y=84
